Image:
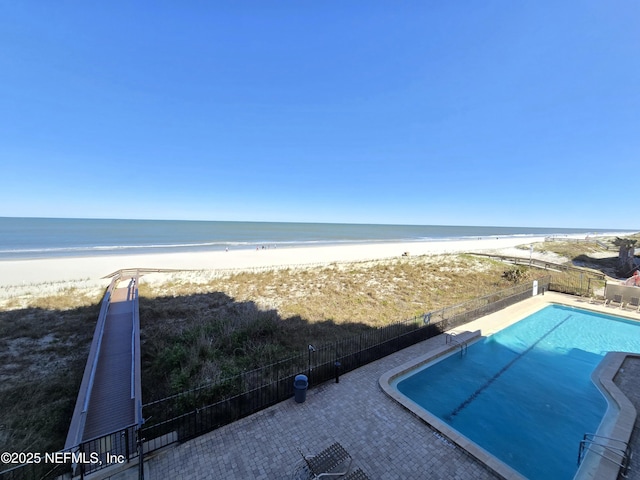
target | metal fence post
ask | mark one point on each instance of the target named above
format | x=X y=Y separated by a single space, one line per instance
x=125 y=433
x=82 y=463
x=140 y=443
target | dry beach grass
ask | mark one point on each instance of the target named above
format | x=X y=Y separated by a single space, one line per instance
x=43 y=350
x=215 y=327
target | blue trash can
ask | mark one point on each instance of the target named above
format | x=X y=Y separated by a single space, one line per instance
x=300 y=385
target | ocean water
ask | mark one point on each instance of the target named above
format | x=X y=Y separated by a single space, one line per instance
x=23 y=238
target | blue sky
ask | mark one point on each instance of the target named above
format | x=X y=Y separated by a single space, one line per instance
x=417 y=112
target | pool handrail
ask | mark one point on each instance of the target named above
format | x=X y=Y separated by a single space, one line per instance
x=591 y=439
x=451 y=339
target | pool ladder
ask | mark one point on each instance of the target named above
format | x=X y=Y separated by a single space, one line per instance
x=450 y=339
x=616 y=451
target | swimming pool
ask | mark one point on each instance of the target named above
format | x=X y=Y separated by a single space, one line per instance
x=525 y=394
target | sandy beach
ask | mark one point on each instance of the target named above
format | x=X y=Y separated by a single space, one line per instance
x=46 y=273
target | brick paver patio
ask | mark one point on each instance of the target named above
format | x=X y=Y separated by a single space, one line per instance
x=384 y=439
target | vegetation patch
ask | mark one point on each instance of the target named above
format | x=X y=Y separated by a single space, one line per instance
x=244 y=321
x=43 y=352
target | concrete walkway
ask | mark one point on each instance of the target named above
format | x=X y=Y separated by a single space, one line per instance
x=384 y=439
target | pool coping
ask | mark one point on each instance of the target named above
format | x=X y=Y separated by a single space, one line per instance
x=617 y=423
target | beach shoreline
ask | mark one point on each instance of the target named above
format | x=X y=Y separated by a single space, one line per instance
x=70 y=270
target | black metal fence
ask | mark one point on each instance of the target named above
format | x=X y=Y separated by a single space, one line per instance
x=195 y=412
x=582 y=283
x=192 y=413
x=96 y=454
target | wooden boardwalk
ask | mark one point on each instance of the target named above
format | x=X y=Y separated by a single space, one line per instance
x=109 y=400
x=111 y=406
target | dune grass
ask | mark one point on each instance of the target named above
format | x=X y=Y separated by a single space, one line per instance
x=570 y=250
x=222 y=326
x=43 y=351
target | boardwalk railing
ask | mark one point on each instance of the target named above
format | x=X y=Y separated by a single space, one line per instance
x=115 y=448
x=546 y=265
x=79 y=417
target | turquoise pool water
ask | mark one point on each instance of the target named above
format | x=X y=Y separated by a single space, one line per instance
x=525 y=393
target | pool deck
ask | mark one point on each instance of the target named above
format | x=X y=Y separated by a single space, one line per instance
x=627 y=380
x=386 y=440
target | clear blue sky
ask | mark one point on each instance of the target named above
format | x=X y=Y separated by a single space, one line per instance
x=522 y=113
